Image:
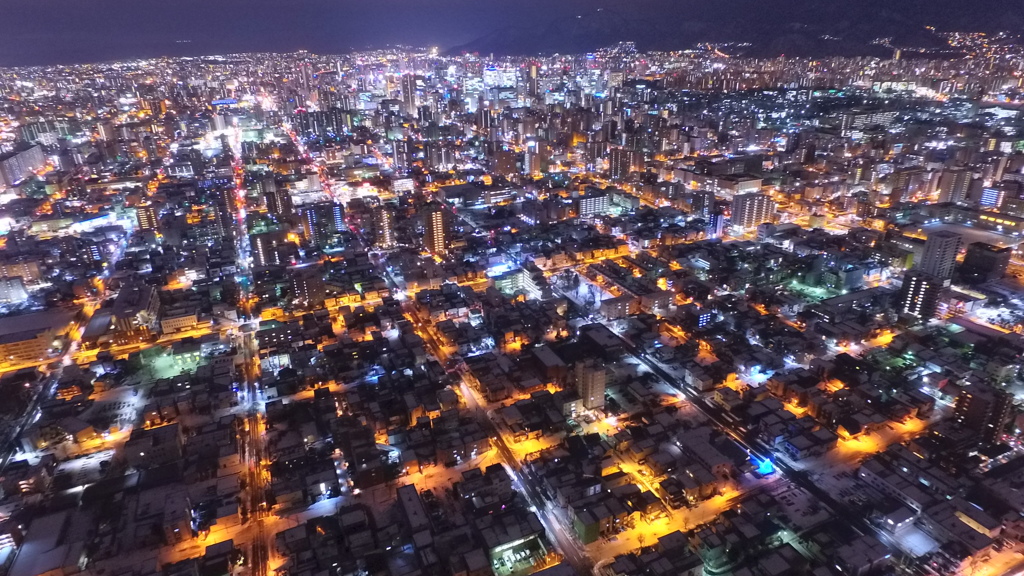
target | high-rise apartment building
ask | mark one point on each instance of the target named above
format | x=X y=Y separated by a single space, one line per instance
x=715 y=225
x=321 y=222
x=983 y=408
x=622 y=161
x=919 y=295
x=953 y=185
x=106 y=131
x=224 y=203
x=591 y=381
x=16 y=166
x=148 y=216
x=750 y=210
x=308 y=286
x=593 y=204
x=991 y=197
x=267 y=248
x=702 y=202
x=279 y=201
x=940 y=250
x=985 y=262
x=435 y=220
x=383 y=226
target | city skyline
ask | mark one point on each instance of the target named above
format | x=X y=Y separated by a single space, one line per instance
x=612 y=311
x=59 y=32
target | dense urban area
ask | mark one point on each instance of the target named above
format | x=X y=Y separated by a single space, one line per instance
x=399 y=313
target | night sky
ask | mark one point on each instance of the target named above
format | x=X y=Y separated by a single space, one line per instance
x=63 y=31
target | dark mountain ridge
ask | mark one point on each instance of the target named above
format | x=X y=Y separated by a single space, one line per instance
x=804 y=28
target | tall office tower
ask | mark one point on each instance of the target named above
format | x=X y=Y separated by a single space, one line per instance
x=532 y=163
x=919 y=295
x=384 y=226
x=953 y=185
x=409 y=100
x=220 y=122
x=304 y=73
x=985 y=409
x=940 y=251
x=148 y=216
x=609 y=130
x=984 y=262
x=621 y=162
x=279 y=202
x=591 y=380
x=435 y=220
x=322 y=221
x=333 y=98
x=532 y=84
x=808 y=152
x=750 y=210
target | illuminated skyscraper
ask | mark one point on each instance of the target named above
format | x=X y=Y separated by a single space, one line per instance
x=435 y=220
x=621 y=162
x=532 y=86
x=919 y=295
x=409 y=100
x=384 y=226
x=992 y=198
x=106 y=132
x=702 y=203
